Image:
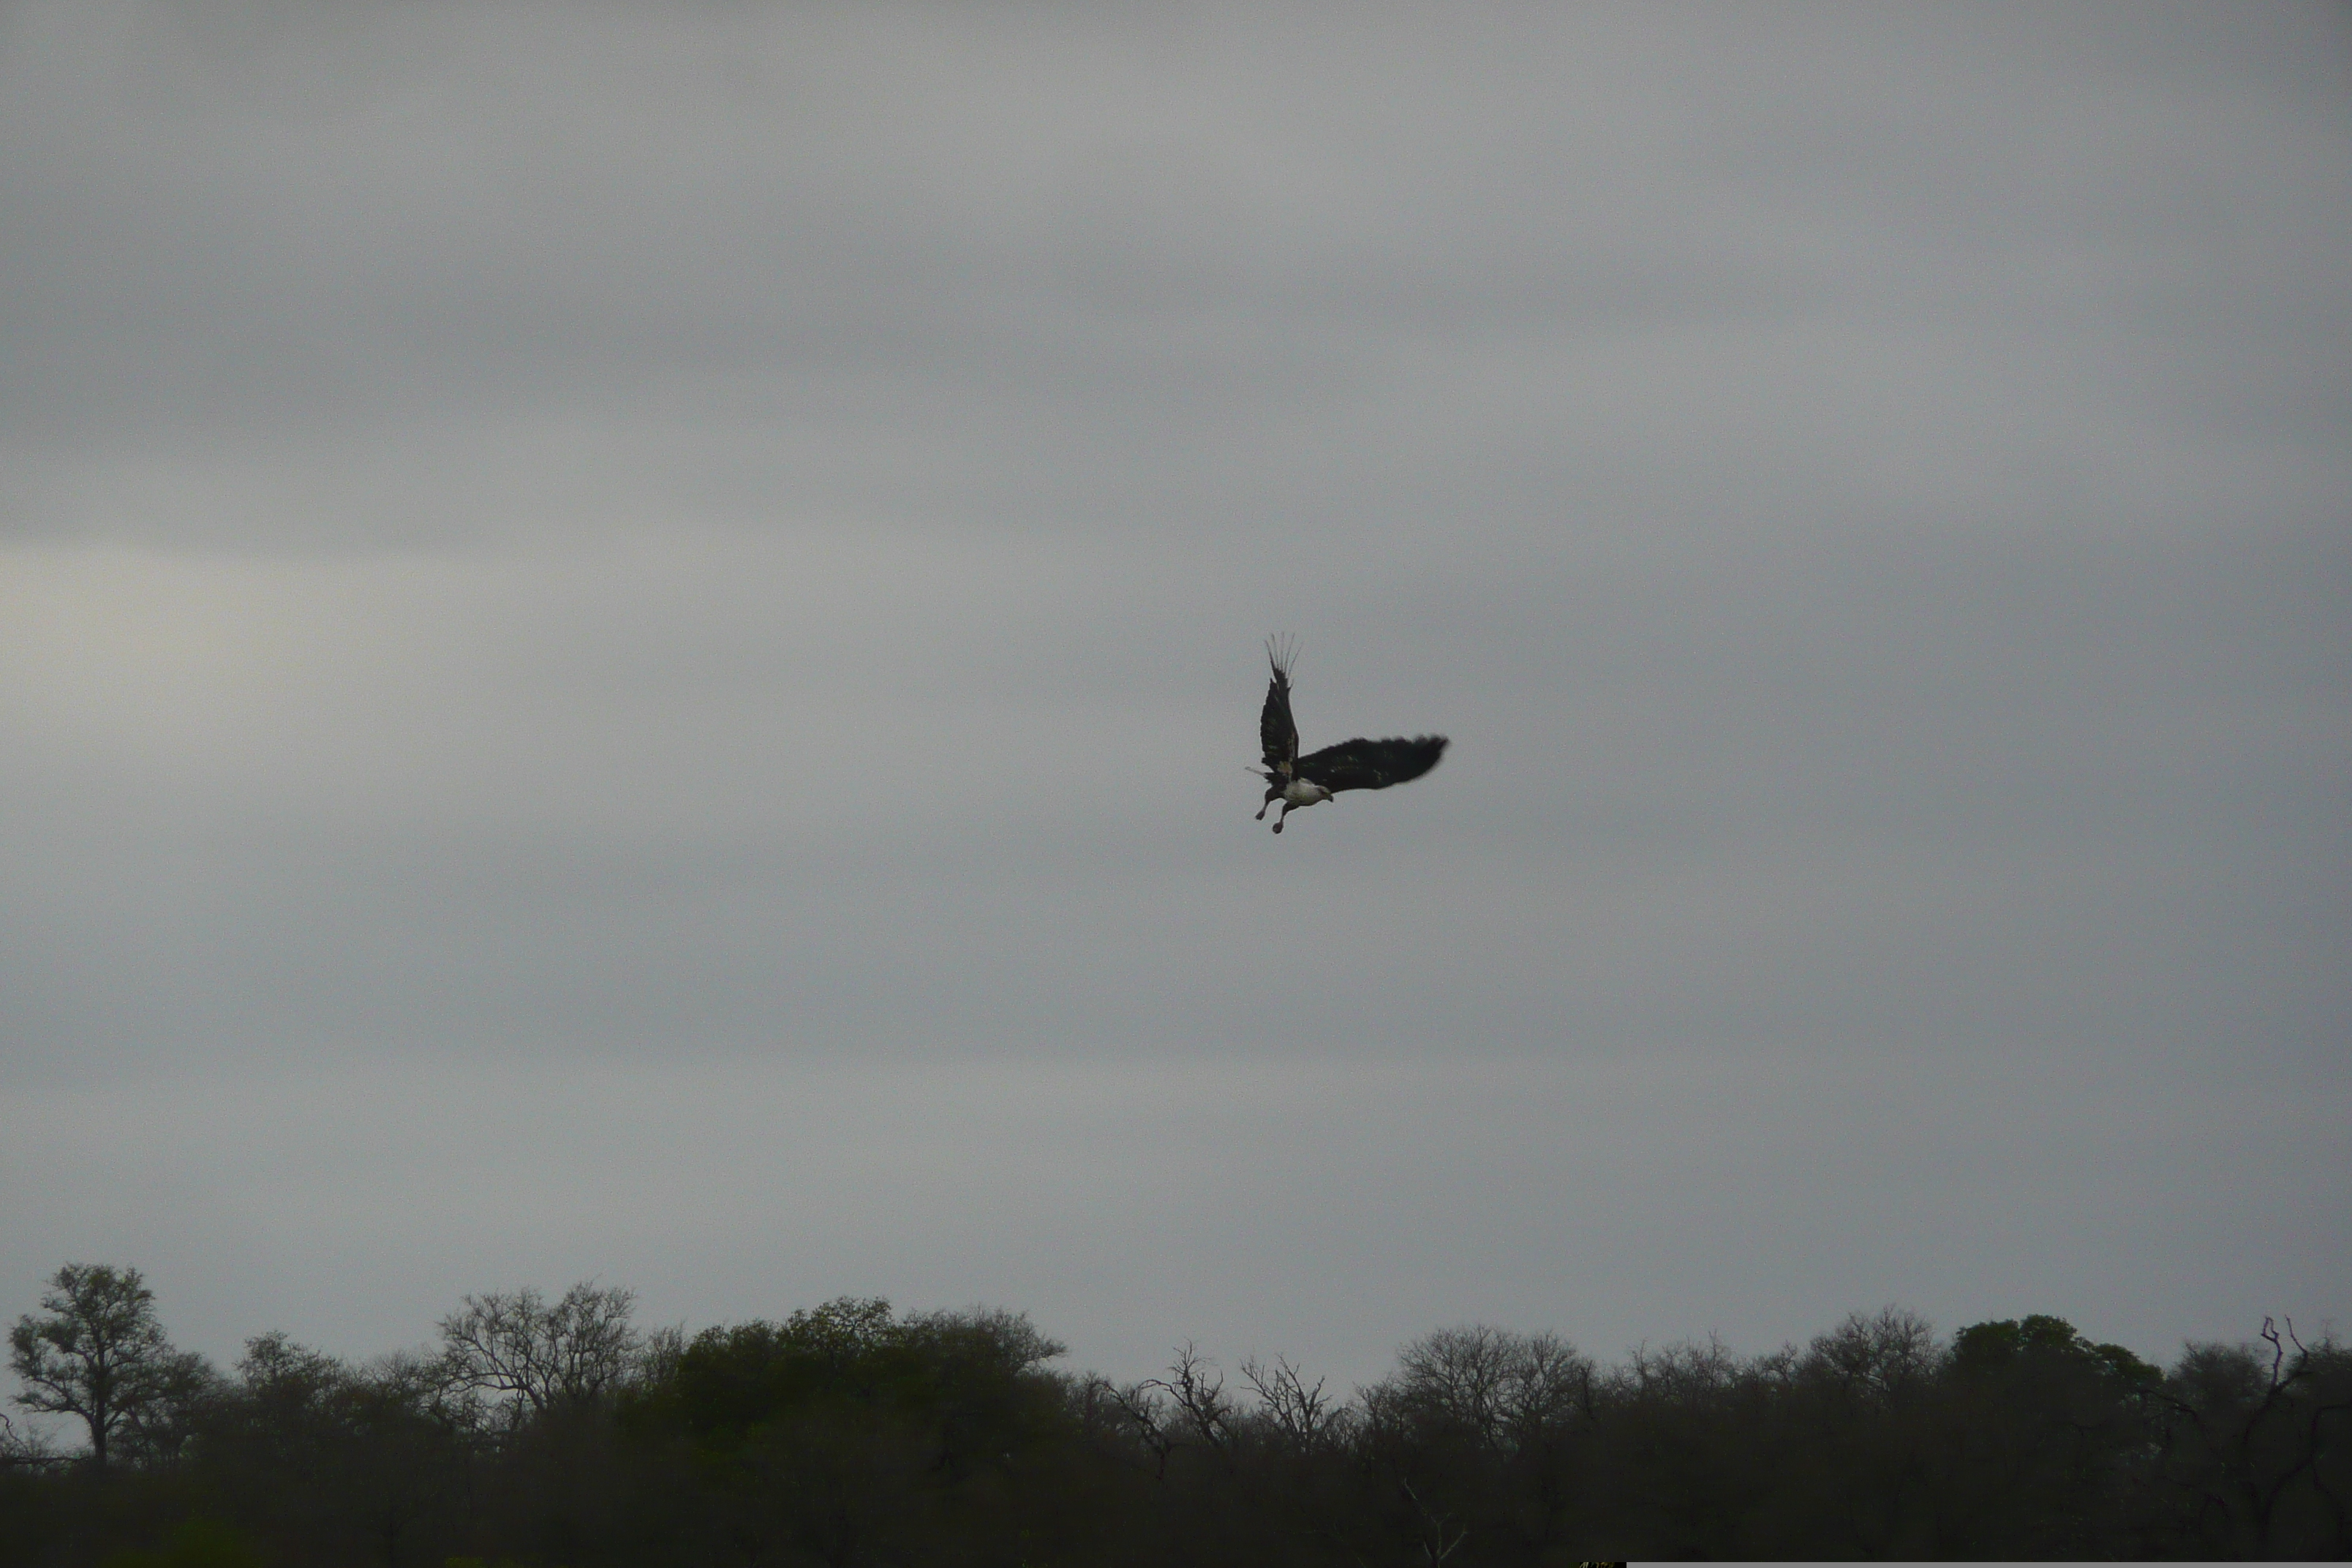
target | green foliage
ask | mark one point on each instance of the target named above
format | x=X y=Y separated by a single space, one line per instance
x=1988 y=1347
x=2003 y=1341
x=961 y=1379
x=845 y=1432
x=195 y=1543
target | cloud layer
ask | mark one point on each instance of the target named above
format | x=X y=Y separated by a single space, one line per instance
x=627 y=638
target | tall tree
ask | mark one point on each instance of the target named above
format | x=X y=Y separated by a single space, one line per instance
x=99 y=1352
x=579 y=1348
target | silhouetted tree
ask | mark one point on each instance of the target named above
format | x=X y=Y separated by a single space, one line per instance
x=538 y=1355
x=1302 y=1416
x=334 y=1463
x=2046 y=1427
x=2254 y=1455
x=848 y=1434
x=98 y=1353
x=24 y=1451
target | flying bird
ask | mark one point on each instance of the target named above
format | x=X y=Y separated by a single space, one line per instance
x=1298 y=782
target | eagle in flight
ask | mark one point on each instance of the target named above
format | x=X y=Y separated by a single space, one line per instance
x=1297 y=781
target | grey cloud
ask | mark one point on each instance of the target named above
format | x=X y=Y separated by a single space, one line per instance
x=721 y=550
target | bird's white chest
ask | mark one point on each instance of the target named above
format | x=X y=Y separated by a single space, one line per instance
x=1299 y=792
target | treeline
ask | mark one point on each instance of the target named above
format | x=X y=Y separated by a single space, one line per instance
x=559 y=1433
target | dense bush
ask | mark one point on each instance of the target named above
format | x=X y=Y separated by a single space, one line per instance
x=555 y=1434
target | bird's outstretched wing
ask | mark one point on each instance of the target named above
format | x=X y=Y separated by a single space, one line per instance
x=1275 y=728
x=1371 y=765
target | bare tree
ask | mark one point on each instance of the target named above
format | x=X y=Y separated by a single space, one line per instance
x=2296 y=1447
x=1462 y=1374
x=1303 y=1414
x=1880 y=1356
x=24 y=1450
x=540 y=1357
x=1144 y=1410
x=1549 y=1381
x=1197 y=1389
x=1687 y=1373
x=1440 y=1535
x=658 y=1354
x=1505 y=1390
x=99 y=1354
x=1164 y=1413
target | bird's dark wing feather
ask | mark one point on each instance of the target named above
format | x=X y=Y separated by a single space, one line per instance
x=1371 y=765
x=1275 y=729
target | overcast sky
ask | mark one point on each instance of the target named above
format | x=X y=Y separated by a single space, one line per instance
x=628 y=637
